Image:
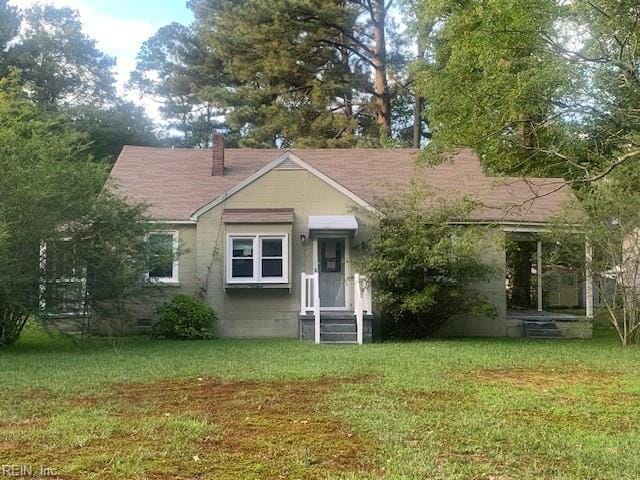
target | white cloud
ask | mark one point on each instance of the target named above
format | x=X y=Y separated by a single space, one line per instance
x=118 y=37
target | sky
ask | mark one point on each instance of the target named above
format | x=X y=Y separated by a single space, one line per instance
x=120 y=27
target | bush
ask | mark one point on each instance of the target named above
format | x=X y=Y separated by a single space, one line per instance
x=420 y=264
x=185 y=317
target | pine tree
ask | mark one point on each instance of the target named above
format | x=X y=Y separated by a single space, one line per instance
x=174 y=70
x=308 y=72
x=57 y=62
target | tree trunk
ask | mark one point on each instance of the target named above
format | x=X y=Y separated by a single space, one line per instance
x=417 y=112
x=12 y=322
x=417 y=122
x=382 y=97
x=348 y=96
x=528 y=132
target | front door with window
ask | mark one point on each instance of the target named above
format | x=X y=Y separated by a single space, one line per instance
x=331 y=269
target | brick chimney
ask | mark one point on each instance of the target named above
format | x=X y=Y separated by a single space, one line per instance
x=217 y=169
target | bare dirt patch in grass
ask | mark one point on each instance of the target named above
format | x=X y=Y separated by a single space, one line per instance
x=620 y=400
x=417 y=401
x=542 y=379
x=207 y=428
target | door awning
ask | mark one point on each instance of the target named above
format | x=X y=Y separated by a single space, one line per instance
x=333 y=223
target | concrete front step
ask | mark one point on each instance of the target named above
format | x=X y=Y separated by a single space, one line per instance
x=336 y=313
x=349 y=337
x=337 y=320
x=337 y=327
x=533 y=329
x=543 y=334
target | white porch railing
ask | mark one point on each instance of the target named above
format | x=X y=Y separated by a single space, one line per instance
x=361 y=303
x=310 y=299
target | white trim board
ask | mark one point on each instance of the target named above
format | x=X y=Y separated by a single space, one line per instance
x=287 y=156
x=173 y=222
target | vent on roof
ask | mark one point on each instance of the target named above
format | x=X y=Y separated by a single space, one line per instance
x=288 y=164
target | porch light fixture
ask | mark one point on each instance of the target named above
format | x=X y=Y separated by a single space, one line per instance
x=303 y=238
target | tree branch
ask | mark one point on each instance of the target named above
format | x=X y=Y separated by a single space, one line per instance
x=619 y=161
x=350 y=48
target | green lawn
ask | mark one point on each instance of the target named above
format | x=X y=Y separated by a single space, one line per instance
x=467 y=408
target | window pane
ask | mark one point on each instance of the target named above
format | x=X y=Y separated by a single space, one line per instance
x=60 y=259
x=331 y=256
x=242 y=247
x=242 y=268
x=271 y=268
x=271 y=247
x=161 y=246
x=162 y=270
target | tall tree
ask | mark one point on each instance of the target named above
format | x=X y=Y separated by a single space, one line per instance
x=609 y=56
x=418 y=104
x=109 y=128
x=548 y=87
x=62 y=71
x=492 y=83
x=419 y=28
x=172 y=68
x=58 y=63
x=309 y=71
x=376 y=53
x=284 y=82
x=9 y=24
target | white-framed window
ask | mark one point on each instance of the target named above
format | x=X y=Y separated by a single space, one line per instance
x=164 y=257
x=260 y=258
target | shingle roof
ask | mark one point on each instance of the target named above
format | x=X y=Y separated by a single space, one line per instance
x=177 y=182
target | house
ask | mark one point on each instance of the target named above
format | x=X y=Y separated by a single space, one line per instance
x=268 y=237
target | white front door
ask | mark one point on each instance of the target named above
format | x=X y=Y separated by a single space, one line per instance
x=331 y=267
